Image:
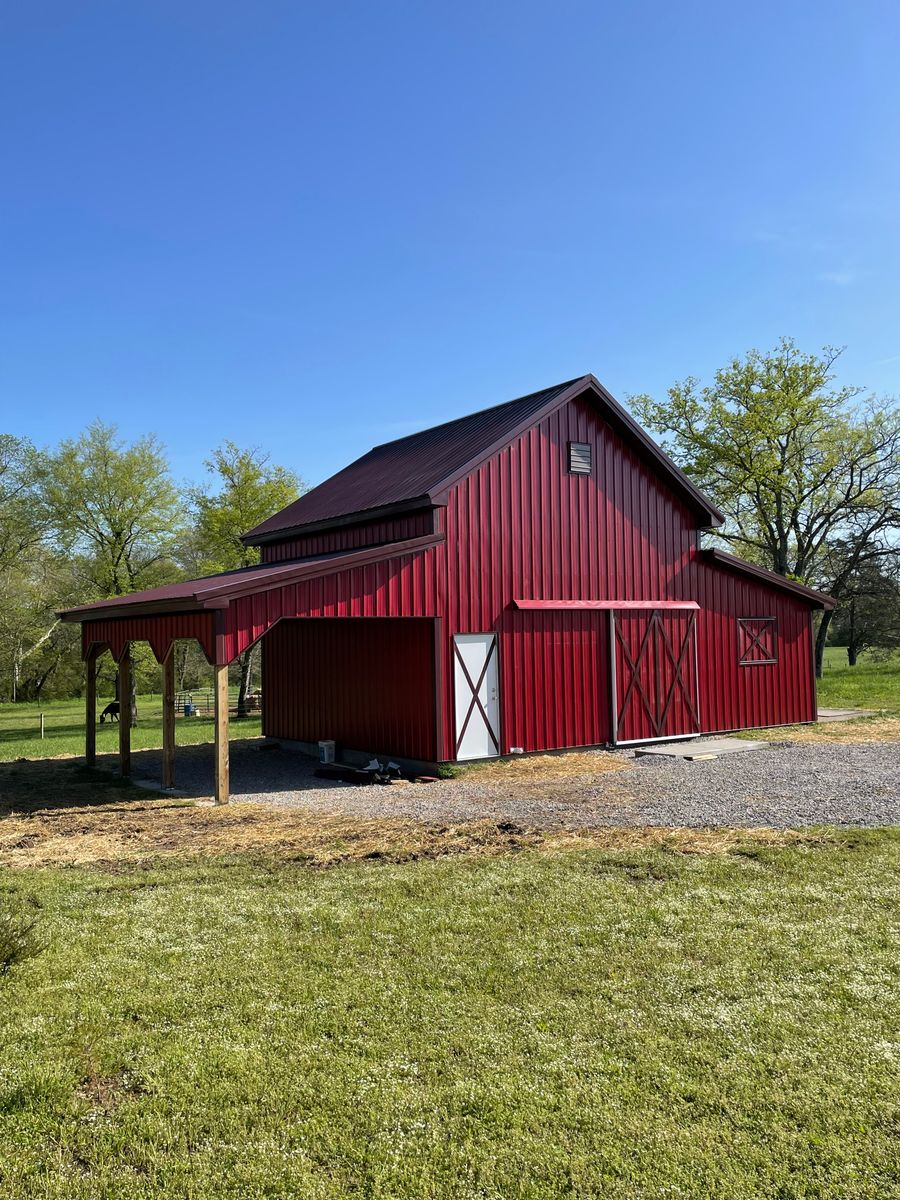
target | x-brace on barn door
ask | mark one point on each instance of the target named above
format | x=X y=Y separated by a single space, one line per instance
x=655 y=688
x=476 y=695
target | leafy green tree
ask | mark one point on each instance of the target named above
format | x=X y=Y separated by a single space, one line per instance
x=806 y=473
x=247 y=489
x=22 y=514
x=115 y=510
x=869 y=618
x=38 y=653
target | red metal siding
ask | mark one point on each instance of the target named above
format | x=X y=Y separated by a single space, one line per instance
x=554 y=680
x=410 y=585
x=734 y=696
x=159 y=631
x=369 y=684
x=355 y=537
x=520 y=526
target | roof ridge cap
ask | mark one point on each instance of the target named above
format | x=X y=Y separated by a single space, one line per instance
x=479 y=412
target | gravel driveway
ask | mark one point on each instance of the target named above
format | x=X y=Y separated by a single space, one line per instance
x=782 y=785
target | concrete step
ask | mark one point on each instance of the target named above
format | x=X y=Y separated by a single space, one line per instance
x=699 y=749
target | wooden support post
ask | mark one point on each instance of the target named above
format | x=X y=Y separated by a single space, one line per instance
x=125 y=712
x=168 y=702
x=221 y=689
x=90 y=707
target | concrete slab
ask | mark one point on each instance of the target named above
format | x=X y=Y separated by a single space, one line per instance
x=699 y=749
x=845 y=714
x=151 y=785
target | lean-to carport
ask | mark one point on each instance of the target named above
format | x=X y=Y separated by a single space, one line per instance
x=228 y=613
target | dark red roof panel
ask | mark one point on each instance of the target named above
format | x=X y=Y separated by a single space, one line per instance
x=409 y=468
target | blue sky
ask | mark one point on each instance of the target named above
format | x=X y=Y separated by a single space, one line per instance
x=314 y=227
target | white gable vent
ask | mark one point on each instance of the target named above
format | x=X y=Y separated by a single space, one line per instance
x=579 y=458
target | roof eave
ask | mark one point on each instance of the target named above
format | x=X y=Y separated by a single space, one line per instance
x=87 y=612
x=359 y=517
x=812 y=597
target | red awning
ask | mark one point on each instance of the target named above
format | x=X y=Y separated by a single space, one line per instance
x=605 y=604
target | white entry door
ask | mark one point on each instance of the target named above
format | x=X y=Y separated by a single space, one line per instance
x=477 y=695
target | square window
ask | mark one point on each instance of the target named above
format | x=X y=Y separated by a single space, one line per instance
x=580 y=458
x=756 y=640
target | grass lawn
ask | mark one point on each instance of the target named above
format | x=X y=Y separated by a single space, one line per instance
x=64 y=729
x=870 y=684
x=616 y=1023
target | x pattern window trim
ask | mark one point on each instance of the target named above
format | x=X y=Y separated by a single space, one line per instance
x=757 y=634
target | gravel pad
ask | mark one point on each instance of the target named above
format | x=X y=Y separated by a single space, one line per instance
x=783 y=786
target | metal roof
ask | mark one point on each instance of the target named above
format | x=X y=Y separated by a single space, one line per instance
x=217 y=591
x=406 y=469
x=414 y=471
x=816 y=599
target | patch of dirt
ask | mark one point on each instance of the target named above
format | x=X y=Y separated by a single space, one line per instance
x=104 y=1093
x=540 y=768
x=30 y=785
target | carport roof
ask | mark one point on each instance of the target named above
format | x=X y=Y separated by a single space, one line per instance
x=217 y=591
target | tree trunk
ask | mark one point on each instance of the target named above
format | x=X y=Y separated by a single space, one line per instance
x=821 y=638
x=181 y=656
x=133 y=698
x=852 y=648
x=246 y=661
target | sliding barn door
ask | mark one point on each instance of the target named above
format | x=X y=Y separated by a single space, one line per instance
x=655 y=685
x=477 y=696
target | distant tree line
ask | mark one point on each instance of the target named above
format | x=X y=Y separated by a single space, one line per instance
x=97 y=517
x=807 y=474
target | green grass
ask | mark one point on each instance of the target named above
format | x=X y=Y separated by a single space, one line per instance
x=870 y=684
x=588 y=1024
x=64 y=729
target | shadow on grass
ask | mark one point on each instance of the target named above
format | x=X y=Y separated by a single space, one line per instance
x=41 y=784
x=257 y=768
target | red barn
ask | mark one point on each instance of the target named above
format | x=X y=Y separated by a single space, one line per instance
x=529 y=577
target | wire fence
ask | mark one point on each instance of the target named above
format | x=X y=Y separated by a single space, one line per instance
x=201 y=702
